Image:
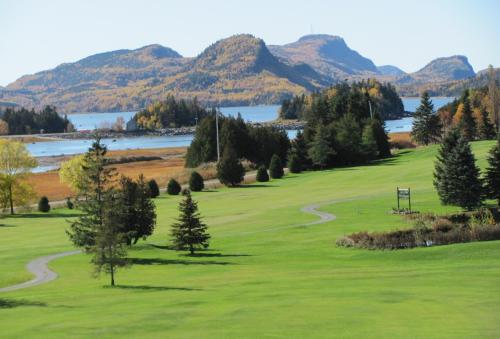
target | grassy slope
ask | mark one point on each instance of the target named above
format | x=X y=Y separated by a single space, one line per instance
x=271 y=278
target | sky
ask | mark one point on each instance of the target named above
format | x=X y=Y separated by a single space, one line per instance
x=39 y=35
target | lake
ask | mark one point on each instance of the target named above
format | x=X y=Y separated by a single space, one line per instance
x=89 y=121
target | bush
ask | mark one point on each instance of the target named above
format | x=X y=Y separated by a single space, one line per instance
x=43 y=205
x=230 y=171
x=154 y=190
x=69 y=203
x=196 y=183
x=262 y=175
x=173 y=187
x=294 y=164
x=276 y=167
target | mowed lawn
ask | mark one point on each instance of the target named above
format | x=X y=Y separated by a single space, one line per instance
x=266 y=275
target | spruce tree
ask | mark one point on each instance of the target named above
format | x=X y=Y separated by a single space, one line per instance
x=276 y=167
x=173 y=187
x=189 y=232
x=262 y=175
x=299 y=149
x=467 y=124
x=196 y=183
x=381 y=137
x=320 y=149
x=109 y=251
x=43 y=204
x=426 y=125
x=230 y=171
x=492 y=177
x=97 y=179
x=456 y=175
x=154 y=189
x=294 y=164
x=368 y=143
x=145 y=211
x=486 y=128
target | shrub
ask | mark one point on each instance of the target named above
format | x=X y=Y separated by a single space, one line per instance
x=69 y=203
x=173 y=187
x=230 y=171
x=262 y=175
x=43 y=205
x=276 y=167
x=154 y=190
x=196 y=183
x=294 y=164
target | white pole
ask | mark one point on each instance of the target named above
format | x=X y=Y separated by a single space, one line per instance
x=217 y=132
x=371 y=113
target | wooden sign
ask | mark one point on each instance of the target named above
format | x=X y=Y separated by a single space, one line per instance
x=404 y=194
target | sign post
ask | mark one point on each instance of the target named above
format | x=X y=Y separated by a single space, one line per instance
x=404 y=194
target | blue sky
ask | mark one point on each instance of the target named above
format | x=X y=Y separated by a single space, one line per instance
x=38 y=35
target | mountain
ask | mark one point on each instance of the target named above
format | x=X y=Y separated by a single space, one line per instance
x=236 y=70
x=241 y=70
x=452 y=68
x=327 y=54
x=390 y=70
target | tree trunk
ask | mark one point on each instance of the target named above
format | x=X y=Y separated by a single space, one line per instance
x=10 y=200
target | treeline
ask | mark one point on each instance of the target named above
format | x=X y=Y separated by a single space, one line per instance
x=473 y=114
x=354 y=98
x=24 y=121
x=171 y=113
x=254 y=143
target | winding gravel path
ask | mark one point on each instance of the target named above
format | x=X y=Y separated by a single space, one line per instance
x=39 y=268
x=323 y=216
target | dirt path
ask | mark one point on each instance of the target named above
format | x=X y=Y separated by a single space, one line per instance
x=39 y=268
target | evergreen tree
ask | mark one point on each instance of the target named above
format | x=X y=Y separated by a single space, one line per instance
x=108 y=249
x=173 y=187
x=97 y=179
x=456 y=176
x=299 y=149
x=492 y=177
x=368 y=143
x=426 y=125
x=230 y=171
x=43 y=204
x=381 y=137
x=294 y=164
x=145 y=211
x=276 y=167
x=262 y=175
x=154 y=189
x=467 y=124
x=486 y=128
x=196 y=183
x=348 y=139
x=320 y=149
x=189 y=232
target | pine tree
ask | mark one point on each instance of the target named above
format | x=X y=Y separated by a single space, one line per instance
x=43 y=204
x=456 y=175
x=230 y=171
x=154 y=189
x=492 y=177
x=381 y=137
x=97 y=179
x=262 y=175
x=196 y=183
x=109 y=249
x=426 y=125
x=320 y=149
x=368 y=143
x=189 y=232
x=276 y=167
x=173 y=187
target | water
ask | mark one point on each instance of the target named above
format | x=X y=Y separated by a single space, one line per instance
x=88 y=121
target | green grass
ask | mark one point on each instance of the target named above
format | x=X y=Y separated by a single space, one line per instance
x=266 y=275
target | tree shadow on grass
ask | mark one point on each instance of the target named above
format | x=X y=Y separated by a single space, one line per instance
x=160 y=261
x=12 y=303
x=254 y=186
x=215 y=255
x=44 y=215
x=154 y=288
